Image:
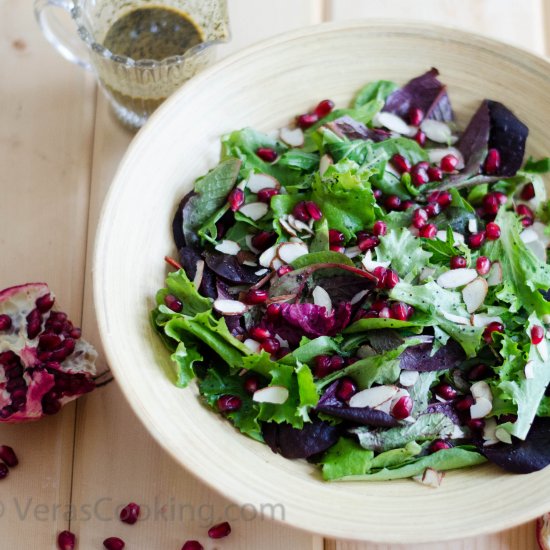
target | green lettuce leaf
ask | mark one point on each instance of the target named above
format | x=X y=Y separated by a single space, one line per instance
x=346 y=458
x=378 y=90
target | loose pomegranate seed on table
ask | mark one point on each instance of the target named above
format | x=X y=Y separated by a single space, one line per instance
x=130 y=513
x=66 y=540
x=8 y=456
x=4 y=471
x=192 y=545
x=114 y=543
x=220 y=530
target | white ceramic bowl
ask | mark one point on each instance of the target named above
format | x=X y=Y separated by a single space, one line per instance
x=263 y=87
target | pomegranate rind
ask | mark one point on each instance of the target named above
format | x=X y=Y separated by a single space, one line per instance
x=543 y=532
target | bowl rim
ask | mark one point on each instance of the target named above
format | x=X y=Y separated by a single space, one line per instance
x=534 y=62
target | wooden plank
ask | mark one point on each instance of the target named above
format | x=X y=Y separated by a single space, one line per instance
x=45 y=138
x=508 y=20
x=116 y=461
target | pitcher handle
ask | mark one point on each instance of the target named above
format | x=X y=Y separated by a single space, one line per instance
x=68 y=44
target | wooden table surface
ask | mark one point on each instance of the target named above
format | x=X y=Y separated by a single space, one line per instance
x=59 y=148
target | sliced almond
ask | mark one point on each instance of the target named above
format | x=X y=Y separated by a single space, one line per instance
x=324 y=163
x=528 y=235
x=228 y=247
x=248 y=240
x=282 y=341
x=352 y=251
x=252 y=345
x=481 y=408
x=503 y=435
x=288 y=252
x=358 y=297
x=455 y=278
x=272 y=394
x=540 y=230
x=489 y=432
x=474 y=294
x=458 y=319
x=458 y=238
x=392 y=122
x=292 y=136
x=261 y=272
x=374 y=397
x=197 y=280
x=529 y=370
x=494 y=277
x=267 y=256
x=254 y=210
x=250 y=263
x=303 y=227
x=436 y=131
x=431 y=478
x=426 y=273
x=480 y=320
x=276 y=263
x=285 y=224
x=408 y=378
x=370 y=265
x=435 y=155
x=472 y=225
x=229 y=307
x=542 y=349
x=257 y=182
x=538 y=249
x=321 y=298
x=481 y=390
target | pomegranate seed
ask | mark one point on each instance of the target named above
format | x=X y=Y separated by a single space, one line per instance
x=385 y=313
x=251 y=384
x=368 y=243
x=379 y=228
x=256 y=296
x=448 y=163
x=273 y=311
x=537 y=336
x=313 y=210
x=259 y=333
x=264 y=195
x=379 y=272
x=34 y=323
x=439 y=445
x=236 y=199
x=483 y=265
x=435 y=173
x=458 y=262
x=443 y=198
x=478 y=372
x=346 y=389
x=379 y=305
x=270 y=345
x=337 y=248
x=527 y=192
x=377 y=193
x=219 y=531
x=283 y=270
x=393 y=202
x=306 y=120
x=45 y=303
x=401 y=311
x=113 y=543
x=192 y=545
x=527 y=221
x=419 y=176
x=419 y=218
x=130 y=513
x=446 y=391
x=267 y=154
x=66 y=540
x=336 y=237
x=336 y=362
x=405 y=205
x=228 y=403
x=416 y=116
x=75 y=333
x=324 y=108
x=476 y=240
x=401 y=164
x=5 y=322
x=322 y=366
x=49 y=341
x=300 y=212
x=8 y=456
x=369 y=314
x=495 y=326
x=490 y=204
x=492 y=161
x=492 y=231
x=422 y=165
x=476 y=424
x=420 y=138
x=433 y=209
x=429 y=231
x=403 y=408
x=524 y=211
x=501 y=197
x=263 y=240
x=173 y=303
x=4 y=471
x=464 y=403
x=391 y=279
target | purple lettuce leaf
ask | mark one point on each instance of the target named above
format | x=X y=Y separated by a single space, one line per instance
x=177 y=224
x=347 y=127
x=522 y=457
x=312 y=321
x=418 y=357
x=383 y=340
x=228 y=267
x=424 y=92
x=443 y=408
x=364 y=416
x=314 y=438
x=342 y=288
x=189 y=257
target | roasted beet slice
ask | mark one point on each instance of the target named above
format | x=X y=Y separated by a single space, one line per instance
x=314 y=438
x=419 y=357
x=522 y=457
